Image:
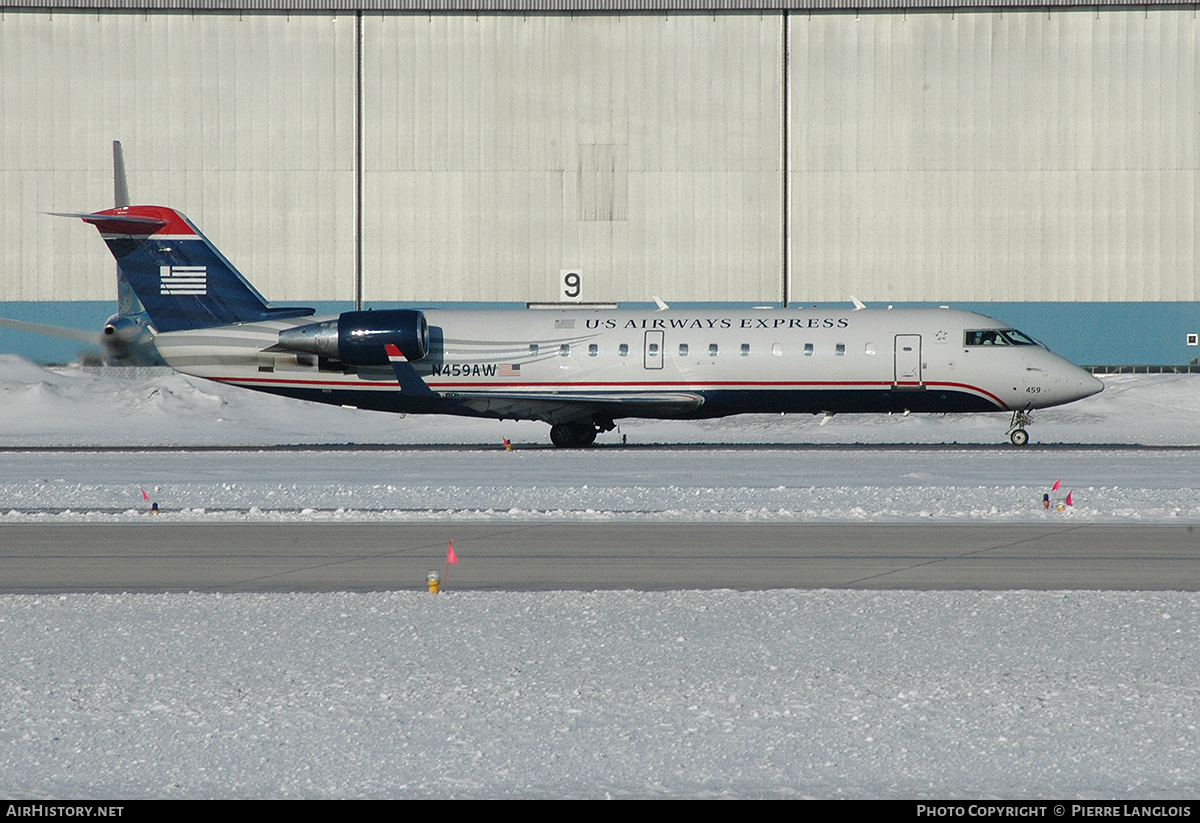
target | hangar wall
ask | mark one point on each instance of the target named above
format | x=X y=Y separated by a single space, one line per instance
x=1026 y=156
x=645 y=151
x=243 y=122
x=497 y=150
x=993 y=155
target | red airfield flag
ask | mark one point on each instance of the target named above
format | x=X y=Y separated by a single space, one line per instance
x=144 y=495
x=1068 y=500
x=1054 y=488
x=451 y=557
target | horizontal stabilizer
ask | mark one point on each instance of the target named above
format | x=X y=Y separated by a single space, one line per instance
x=118 y=223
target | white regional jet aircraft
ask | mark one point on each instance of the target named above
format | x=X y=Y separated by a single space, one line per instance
x=577 y=369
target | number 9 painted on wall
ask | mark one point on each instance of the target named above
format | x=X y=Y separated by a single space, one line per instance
x=572 y=286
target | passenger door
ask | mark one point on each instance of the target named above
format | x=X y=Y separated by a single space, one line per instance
x=908 y=362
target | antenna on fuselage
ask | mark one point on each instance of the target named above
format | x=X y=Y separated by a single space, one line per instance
x=661 y=305
x=858 y=304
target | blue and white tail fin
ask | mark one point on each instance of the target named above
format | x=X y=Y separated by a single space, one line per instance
x=180 y=277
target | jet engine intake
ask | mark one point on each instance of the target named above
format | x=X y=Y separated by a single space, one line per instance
x=357 y=338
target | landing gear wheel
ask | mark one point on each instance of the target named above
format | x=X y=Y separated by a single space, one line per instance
x=1016 y=430
x=573 y=435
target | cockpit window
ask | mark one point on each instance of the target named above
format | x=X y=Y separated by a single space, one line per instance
x=1019 y=338
x=998 y=337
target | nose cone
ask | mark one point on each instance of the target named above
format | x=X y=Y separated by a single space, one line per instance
x=1076 y=385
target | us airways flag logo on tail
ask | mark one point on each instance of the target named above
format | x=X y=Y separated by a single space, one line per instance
x=183 y=280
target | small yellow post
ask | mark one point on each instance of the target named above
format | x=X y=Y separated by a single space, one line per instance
x=434 y=581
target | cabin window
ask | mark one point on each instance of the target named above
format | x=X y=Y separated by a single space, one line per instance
x=840 y=349
x=712 y=349
x=683 y=349
x=745 y=350
x=654 y=350
x=623 y=350
x=808 y=349
x=593 y=350
x=533 y=349
x=777 y=349
x=564 y=350
x=870 y=349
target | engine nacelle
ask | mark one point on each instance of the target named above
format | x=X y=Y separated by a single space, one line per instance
x=357 y=338
x=123 y=333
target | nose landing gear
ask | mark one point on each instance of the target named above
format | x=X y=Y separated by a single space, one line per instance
x=1016 y=430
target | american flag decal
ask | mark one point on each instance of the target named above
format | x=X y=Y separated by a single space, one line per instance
x=565 y=324
x=508 y=370
x=183 y=280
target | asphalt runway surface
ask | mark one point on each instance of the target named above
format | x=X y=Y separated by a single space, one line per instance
x=160 y=556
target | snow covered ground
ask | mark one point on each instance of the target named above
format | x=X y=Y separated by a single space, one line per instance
x=623 y=694
x=566 y=694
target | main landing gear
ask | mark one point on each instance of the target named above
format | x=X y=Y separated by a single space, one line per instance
x=1016 y=430
x=573 y=435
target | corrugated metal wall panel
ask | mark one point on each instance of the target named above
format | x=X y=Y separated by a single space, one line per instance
x=1047 y=156
x=995 y=157
x=245 y=123
x=483 y=131
x=572 y=6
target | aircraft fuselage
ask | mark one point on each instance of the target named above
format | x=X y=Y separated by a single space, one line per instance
x=735 y=361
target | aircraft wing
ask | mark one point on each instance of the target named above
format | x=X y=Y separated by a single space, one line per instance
x=554 y=407
x=564 y=407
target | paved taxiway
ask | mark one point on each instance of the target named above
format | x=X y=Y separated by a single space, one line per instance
x=156 y=556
